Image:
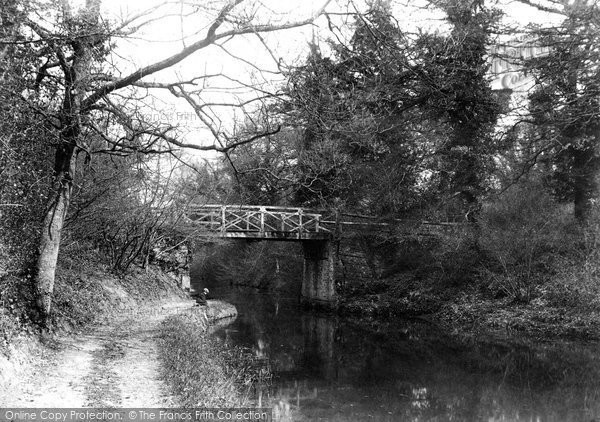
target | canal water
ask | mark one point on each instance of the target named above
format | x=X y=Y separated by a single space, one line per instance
x=327 y=368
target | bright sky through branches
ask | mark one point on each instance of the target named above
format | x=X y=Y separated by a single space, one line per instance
x=245 y=62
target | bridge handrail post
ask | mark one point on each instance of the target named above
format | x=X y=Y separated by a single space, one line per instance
x=317 y=220
x=223 y=225
x=300 y=227
x=263 y=210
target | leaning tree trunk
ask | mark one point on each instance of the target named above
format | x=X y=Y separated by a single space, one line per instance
x=585 y=189
x=76 y=79
x=56 y=213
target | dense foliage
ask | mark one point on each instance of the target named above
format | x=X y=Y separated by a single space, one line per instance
x=403 y=125
x=378 y=119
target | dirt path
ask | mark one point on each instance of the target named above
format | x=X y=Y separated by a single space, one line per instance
x=114 y=366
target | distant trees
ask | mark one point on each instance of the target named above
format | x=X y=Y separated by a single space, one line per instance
x=353 y=115
x=264 y=172
x=390 y=122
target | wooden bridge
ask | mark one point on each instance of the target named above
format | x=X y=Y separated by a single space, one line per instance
x=259 y=222
x=289 y=223
x=314 y=229
x=245 y=222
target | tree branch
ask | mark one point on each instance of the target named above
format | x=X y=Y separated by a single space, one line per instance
x=209 y=39
x=541 y=7
x=213 y=147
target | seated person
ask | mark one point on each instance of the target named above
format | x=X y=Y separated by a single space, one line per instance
x=200 y=297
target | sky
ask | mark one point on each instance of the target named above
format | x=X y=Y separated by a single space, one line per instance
x=170 y=32
x=163 y=38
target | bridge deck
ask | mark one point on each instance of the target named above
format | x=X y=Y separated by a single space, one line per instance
x=279 y=236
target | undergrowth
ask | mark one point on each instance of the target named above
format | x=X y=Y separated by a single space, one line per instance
x=201 y=371
x=524 y=266
x=86 y=291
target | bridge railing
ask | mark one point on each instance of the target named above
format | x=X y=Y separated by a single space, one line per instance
x=301 y=222
x=258 y=219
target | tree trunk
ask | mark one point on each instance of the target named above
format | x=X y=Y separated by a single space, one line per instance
x=51 y=231
x=584 y=181
x=76 y=80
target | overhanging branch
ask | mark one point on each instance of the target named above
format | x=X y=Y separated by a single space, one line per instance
x=223 y=149
x=209 y=39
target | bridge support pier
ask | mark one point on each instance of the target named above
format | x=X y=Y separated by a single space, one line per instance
x=318 y=278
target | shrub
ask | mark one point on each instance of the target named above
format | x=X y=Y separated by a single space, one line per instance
x=456 y=254
x=16 y=307
x=526 y=234
x=23 y=192
x=576 y=282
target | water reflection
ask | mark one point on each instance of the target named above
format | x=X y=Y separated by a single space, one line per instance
x=328 y=369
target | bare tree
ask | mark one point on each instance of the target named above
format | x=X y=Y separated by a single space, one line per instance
x=83 y=96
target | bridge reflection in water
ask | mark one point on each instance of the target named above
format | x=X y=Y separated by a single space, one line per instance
x=327 y=368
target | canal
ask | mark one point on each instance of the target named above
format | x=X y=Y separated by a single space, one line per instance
x=332 y=369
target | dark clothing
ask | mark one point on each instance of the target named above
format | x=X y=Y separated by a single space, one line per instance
x=200 y=298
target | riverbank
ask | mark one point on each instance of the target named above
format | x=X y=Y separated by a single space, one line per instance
x=469 y=311
x=102 y=347
x=454 y=279
x=199 y=368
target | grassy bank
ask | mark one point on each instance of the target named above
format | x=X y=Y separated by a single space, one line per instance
x=201 y=370
x=87 y=293
x=524 y=267
x=473 y=311
x=560 y=304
